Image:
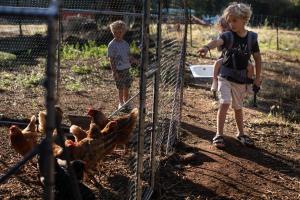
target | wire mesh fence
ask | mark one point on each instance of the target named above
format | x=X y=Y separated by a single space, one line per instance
x=86 y=80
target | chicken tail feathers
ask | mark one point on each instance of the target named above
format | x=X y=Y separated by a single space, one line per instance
x=131 y=118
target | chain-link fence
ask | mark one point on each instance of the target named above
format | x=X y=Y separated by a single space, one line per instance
x=155 y=38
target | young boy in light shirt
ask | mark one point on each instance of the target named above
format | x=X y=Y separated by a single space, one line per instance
x=232 y=86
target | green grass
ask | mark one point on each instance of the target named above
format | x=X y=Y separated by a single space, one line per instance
x=23 y=80
x=74 y=86
x=32 y=80
x=70 y=52
x=92 y=50
x=104 y=64
x=81 y=70
x=89 y=50
x=7 y=80
x=134 y=50
x=288 y=41
x=6 y=59
x=134 y=72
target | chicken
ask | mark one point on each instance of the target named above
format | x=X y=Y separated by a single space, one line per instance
x=91 y=149
x=42 y=122
x=80 y=134
x=94 y=131
x=125 y=126
x=42 y=118
x=98 y=118
x=95 y=146
x=24 y=140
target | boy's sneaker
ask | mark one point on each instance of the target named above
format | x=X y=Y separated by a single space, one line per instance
x=214 y=86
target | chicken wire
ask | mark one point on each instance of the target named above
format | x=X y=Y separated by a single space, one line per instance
x=85 y=79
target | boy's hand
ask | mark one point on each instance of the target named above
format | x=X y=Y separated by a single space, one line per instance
x=116 y=75
x=202 y=51
x=256 y=85
x=257 y=82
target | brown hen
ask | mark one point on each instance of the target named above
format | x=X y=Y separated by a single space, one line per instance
x=95 y=146
x=23 y=141
x=98 y=117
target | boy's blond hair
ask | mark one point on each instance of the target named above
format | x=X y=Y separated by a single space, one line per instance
x=117 y=25
x=240 y=10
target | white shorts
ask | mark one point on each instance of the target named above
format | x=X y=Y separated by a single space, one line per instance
x=231 y=92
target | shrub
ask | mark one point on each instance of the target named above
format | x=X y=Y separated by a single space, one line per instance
x=6 y=59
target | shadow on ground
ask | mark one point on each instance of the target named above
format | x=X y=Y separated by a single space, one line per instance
x=173 y=185
x=256 y=155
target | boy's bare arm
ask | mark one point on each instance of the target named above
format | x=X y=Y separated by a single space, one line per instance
x=112 y=64
x=211 y=45
x=113 y=67
x=257 y=59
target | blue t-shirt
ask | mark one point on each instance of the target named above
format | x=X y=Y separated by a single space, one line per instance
x=119 y=52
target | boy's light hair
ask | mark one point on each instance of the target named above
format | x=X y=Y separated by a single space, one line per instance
x=117 y=25
x=239 y=10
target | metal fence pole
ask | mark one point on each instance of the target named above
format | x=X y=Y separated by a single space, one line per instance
x=156 y=95
x=143 y=82
x=183 y=60
x=277 y=33
x=191 y=25
x=50 y=102
x=58 y=77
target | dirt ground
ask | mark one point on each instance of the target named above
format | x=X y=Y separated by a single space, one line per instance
x=196 y=170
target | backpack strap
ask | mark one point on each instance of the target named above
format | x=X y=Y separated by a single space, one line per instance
x=251 y=40
x=229 y=39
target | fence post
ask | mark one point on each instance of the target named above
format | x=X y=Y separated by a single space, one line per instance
x=50 y=102
x=58 y=82
x=156 y=95
x=183 y=59
x=19 y=22
x=142 y=99
x=277 y=33
x=191 y=25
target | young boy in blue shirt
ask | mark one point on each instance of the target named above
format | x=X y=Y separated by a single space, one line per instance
x=233 y=80
x=119 y=56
